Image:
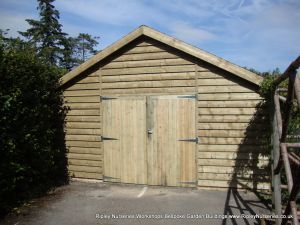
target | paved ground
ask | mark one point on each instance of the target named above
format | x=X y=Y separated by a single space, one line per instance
x=101 y=203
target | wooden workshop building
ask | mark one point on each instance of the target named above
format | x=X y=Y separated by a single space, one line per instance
x=150 y=109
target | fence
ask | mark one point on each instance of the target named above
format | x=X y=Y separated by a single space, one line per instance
x=281 y=154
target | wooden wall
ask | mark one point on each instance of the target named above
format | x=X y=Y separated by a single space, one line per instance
x=83 y=127
x=148 y=68
x=228 y=124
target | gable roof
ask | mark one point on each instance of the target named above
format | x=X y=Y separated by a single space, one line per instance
x=175 y=43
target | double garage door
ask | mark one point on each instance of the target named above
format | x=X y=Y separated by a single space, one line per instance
x=149 y=140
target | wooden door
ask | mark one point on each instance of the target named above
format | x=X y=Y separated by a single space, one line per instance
x=124 y=139
x=171 y=141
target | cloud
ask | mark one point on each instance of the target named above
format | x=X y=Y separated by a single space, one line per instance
x=113 y=12
x=14 y=23
x=190 y=33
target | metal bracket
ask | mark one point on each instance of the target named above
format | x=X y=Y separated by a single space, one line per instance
x=102 y=138
x=102 y=98
x=190 y=139
x=110 y=178
x=188 y=96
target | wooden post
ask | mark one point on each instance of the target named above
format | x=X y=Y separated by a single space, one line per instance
x=297 y=91
x=293 y=188
x=275 y=159
x=277 y=127
x=292 y=67
x=289 y=105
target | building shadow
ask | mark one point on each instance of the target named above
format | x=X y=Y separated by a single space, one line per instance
x=252 y=172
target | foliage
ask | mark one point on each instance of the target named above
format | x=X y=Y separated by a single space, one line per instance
x=267 y=90
x=78 y=49
x=68 y=61
x=31 y=123
x=85 y=44
x=46 y=34
x=55 y=46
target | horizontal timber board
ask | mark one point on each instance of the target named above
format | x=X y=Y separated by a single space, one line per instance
x=234 y=184
x=77 y=93
x=177 y=90
x=86 y=144
x=149 y=84
x=215 y=82
x=86 y=150
x=224 y=104
x=89 y=105
x=229 y=141
x=229 y=177
x=207 y=74
x=229 y=96
x=227 y=111
x=88 y=169
x=223 y=89
x=145 y=63
x=231 y=148
x=84 y=112
x=81 y=162
x=232 y=162
x=70 y=118
x=231 y=126
x=232 y=155
x=143 y=49
x=230 y=118
x=233 y=170
x=144 y=43
x=83 y=125
x=82 y=99
x=86 y=175
x=83 y=131
x=228 y=133
x=149 y=77
x=149 y=70
x=80 y=86
x=88 y=79
x=85 y=156
x=71 y=137
x=145 y=56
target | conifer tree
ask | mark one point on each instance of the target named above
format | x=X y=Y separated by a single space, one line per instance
x=85 y=44
x=46 y=33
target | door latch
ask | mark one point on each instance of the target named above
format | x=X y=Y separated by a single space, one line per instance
x=150 y=131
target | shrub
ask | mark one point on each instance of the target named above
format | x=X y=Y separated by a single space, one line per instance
x=33 y=153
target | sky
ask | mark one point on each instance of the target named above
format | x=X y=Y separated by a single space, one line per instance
x=259 y=34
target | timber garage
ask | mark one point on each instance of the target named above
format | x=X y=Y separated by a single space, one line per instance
x=151 y=109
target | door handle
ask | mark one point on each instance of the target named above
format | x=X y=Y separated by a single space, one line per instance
x=150 y=131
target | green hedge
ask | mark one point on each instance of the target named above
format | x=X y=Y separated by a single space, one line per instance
x=32 y=148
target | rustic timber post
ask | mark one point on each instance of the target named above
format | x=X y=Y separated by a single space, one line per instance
x=275 y=160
